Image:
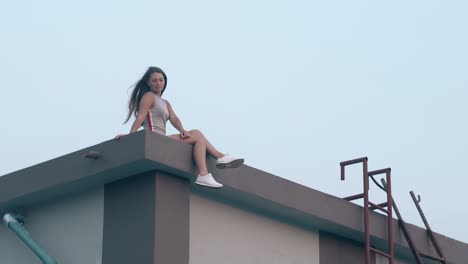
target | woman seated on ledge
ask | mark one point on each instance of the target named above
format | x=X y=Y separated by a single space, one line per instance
x=152 y=112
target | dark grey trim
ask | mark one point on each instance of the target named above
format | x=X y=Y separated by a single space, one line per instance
x=250 y=187
x=146 y=220
x=128 y=230
x=172 y=220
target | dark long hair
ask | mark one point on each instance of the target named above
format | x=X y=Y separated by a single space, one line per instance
x=140 y=88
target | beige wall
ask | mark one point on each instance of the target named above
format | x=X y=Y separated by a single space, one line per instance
x=221 y=233
x=69 y=229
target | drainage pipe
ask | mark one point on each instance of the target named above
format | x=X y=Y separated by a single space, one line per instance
x=15 y=224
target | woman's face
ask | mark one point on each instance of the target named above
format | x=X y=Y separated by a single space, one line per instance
x=156 y=83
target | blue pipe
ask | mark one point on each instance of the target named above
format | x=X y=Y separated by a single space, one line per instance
x=15 y=224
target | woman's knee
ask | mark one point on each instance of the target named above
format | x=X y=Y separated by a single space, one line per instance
x=191 y=140
x=196 y=132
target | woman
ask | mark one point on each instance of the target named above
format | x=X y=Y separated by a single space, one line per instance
x=152 y=112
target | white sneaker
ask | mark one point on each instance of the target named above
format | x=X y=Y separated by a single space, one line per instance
x=229 y=162
x=208 y=180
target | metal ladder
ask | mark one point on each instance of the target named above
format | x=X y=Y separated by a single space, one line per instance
x=386 y=187
x=385 y=207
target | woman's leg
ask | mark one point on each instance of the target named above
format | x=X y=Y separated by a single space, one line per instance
x=199 y=150
x=201 y=146
x=209 y=147
x=199 y=153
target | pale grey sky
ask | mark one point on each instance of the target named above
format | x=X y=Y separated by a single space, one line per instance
x=293 y=86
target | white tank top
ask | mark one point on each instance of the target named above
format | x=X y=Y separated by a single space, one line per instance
x=157 y=116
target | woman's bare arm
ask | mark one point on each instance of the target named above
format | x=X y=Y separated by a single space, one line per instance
x=175 y=121
x=145 y=105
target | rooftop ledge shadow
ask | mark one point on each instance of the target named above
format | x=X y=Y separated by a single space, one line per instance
x=245 y=186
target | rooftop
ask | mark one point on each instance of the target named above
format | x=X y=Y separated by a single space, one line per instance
x=246 y=187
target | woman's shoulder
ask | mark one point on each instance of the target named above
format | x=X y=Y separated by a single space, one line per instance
x=148 y=94
x=148 y=97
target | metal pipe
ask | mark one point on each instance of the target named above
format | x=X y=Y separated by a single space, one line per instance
x=374 y=206
x=390 y=215
x=428 y=228
x=354 y=197
x=366 y=210
x=442 y=260
x=353 y=161
x=382 y=171
x=349 y=162
x=12 y=221
x=381 y=253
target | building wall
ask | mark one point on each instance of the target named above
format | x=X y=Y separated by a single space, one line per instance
x=69 y=229
x=220 y=233
x=337 y=250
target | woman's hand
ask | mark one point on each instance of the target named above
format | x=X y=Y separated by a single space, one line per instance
x=119 y=136
x=184 y=134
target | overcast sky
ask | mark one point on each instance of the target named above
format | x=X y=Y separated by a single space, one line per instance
x=295 y=87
